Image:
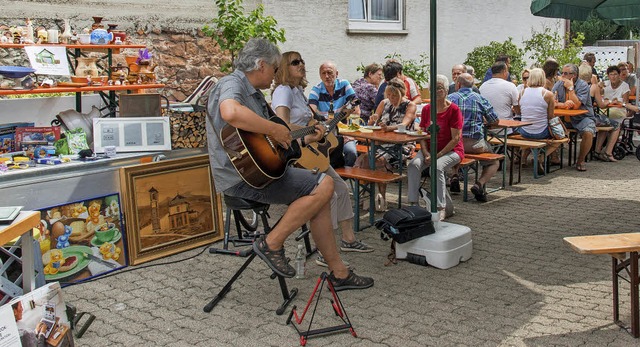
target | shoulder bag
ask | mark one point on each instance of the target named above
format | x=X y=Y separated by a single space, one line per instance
x=557 y=128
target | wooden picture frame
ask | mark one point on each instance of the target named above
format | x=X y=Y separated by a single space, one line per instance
x=170 y=206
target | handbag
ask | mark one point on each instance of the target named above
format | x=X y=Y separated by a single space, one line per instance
x=557 y=128
x=405 y=224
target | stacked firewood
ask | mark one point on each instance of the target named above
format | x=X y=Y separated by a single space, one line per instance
x=188 y=129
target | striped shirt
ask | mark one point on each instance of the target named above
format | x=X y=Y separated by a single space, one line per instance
x=319 y=96
x=475 y=108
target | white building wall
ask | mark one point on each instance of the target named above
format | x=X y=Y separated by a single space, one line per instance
x=318 y=30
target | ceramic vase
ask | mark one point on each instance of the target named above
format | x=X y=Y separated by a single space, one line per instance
x=97 y=23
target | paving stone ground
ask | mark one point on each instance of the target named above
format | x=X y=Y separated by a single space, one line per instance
x=522 y=287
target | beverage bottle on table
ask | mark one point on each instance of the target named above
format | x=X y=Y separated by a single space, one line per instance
x=301 y=258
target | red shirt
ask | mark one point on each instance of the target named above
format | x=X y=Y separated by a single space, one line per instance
x=450 y=118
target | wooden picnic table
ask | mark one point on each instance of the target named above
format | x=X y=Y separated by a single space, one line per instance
x=617 y=246
x=568 y=113
x=502 y=129
x=375 y=140
x=21 y=227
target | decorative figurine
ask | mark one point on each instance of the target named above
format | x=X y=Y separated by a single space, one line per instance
x=66 y=35
x=29 y=32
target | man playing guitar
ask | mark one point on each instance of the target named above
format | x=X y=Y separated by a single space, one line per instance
x=237 y=100
x=290 y=104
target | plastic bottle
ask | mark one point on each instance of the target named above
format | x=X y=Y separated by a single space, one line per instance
x=301 y=258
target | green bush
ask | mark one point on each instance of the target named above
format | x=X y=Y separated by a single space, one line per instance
x=550 y=44
x=482 y=57
x=232 y=29
x=416 y=69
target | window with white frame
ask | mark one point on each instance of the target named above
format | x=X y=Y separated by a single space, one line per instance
x=387 y=15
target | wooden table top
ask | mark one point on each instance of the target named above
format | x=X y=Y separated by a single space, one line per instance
x=510 y=123
x=80 y=89
x=26 y=221
x=386 y=136
x=563 y=112
x=605 y=244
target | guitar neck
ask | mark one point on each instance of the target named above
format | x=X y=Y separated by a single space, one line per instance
x=298 y=133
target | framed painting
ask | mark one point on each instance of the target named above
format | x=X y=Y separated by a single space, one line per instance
x=82 y=239
x=170 y=207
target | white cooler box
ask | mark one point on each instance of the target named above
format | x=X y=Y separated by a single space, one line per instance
x=450 y=244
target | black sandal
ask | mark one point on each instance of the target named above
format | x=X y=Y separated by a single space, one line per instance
x=352 y=281
x=276 y=260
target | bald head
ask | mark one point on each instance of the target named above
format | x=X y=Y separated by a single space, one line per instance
x=465 y=80
x=328 y=73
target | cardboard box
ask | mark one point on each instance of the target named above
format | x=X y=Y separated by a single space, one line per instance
x=28 y=138
x=7 y=136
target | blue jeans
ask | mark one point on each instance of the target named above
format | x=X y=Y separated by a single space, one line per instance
x=543 y=135
x=350 y=153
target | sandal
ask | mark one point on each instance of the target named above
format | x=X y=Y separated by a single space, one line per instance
x=581 y=167
x=610 y=157
x=276 y=260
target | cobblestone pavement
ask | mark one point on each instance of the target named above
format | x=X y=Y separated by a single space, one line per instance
x=522 y=287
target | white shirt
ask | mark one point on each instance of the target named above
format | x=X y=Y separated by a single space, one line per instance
x=295 y=101
x=502 y=95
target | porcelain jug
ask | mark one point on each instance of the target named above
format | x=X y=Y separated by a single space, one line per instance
x=101 y=37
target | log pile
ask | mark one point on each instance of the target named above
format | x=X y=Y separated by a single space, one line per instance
x=188 y=129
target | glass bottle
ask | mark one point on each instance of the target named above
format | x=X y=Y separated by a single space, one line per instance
x=301 y=258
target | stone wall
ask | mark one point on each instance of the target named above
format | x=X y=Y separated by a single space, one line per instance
x=183 y=54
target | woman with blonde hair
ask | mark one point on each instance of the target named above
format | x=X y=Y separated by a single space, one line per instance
x=394 y=110
x=536 y=106
x=289 y=103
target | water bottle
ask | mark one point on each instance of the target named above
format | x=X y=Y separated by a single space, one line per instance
x=301 y=258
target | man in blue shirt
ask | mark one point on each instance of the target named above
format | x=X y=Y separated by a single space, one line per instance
x=574 y=93
x=475 y=109
x=328 y=97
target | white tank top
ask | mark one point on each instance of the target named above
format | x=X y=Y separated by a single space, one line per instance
x=534 y=109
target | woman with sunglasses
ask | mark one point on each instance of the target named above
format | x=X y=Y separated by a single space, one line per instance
x=394 y=110
x=450 y=147
x=289 y=103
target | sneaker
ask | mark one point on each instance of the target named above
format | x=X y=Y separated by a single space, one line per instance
x=321 y=262
x=478 y=193
x=352 y=281
x=276 y=260
x=454 y=186
x=355 y=246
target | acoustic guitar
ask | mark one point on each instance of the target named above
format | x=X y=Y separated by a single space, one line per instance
x=315 y=156
x=258 y=158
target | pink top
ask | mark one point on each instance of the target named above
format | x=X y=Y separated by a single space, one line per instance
x=450 y=118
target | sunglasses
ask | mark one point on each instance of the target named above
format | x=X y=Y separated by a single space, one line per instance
x=564 y=73
x=525 y=78
x=296 y=62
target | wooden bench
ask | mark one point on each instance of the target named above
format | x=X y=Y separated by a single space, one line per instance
x=369 y=177
x=513 y=144
x=548 y=142
x=617 y=246
x=573 y=143
x=477 y=158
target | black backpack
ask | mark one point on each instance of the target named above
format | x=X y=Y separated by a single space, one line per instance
x=405 y=224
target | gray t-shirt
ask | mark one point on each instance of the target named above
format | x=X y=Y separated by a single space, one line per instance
x=234 y=86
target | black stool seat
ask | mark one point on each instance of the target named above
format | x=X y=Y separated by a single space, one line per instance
x=236 y=203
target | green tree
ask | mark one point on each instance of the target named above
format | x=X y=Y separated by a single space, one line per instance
x=232 y=28
x=482 y=57
x=551 y=44
x=595 y=28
